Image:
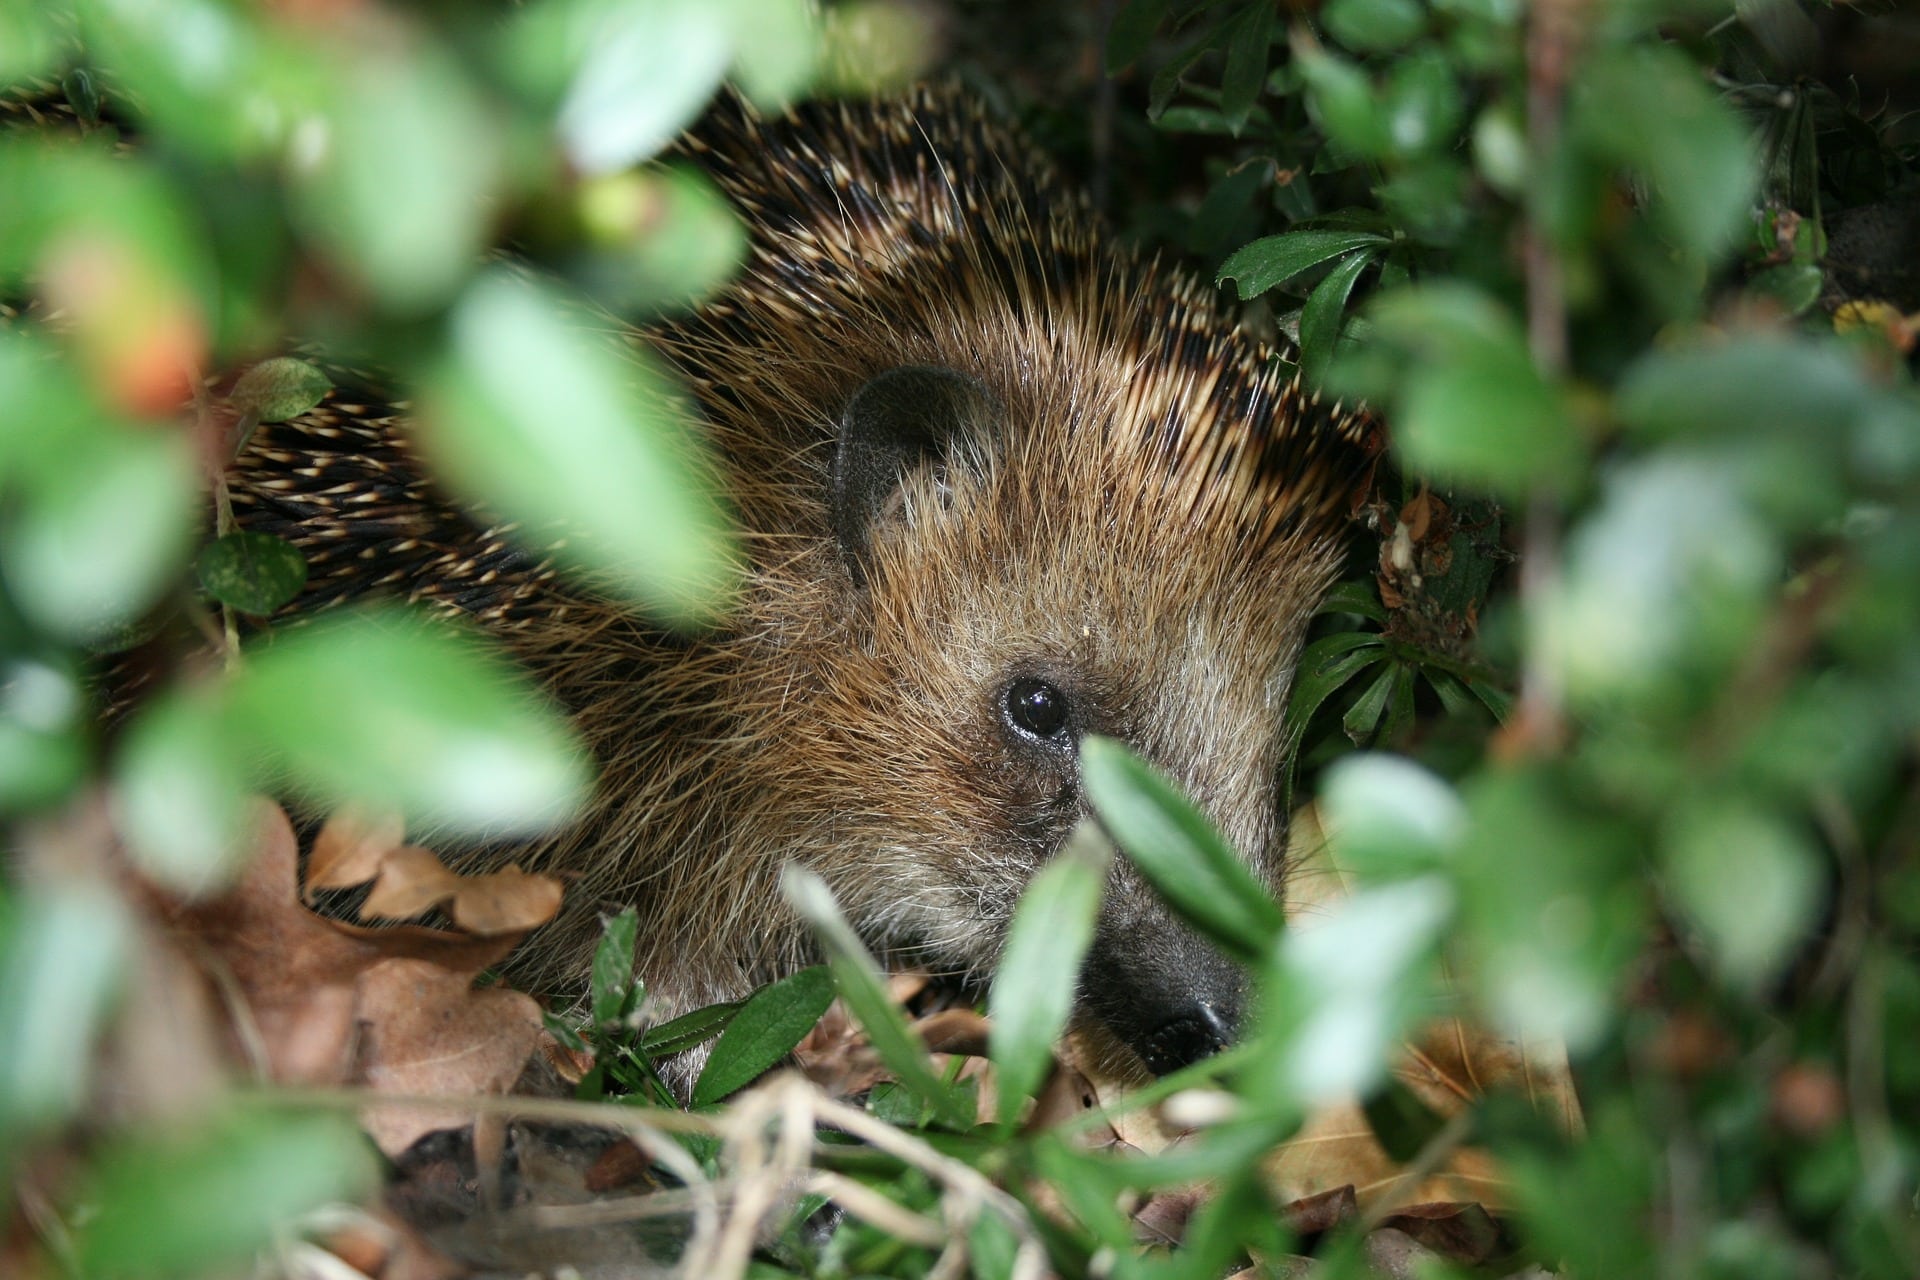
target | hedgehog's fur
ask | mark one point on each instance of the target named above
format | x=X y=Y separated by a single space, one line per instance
x=1151 y=524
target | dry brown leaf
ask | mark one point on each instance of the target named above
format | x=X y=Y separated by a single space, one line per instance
x=412 y=881
x=506 y=901
x=350 y=848
x=296 y=975
x=428 y=1031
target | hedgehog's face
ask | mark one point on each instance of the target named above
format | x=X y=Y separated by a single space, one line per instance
x=1005 y=617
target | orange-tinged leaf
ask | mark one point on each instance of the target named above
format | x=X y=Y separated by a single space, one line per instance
x=508 y=901
x=412 y=881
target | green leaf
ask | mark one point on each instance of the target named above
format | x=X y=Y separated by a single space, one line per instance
x=281 y=388
x=667 y=238
x=255 y=573
x=1342 y=100
x=861 y=986
x=64 y=947
x=1326 y=666
x=1248 y=46
x=1754 y=383
x=1652 y=110
x=46 y=727
x=401 y=197
x=1388 y=817
x=532 y=416
x=1356 y=596
x=1177 y=849
x=1320 y=318
x=198 y=1202
x=196 y=69
x=1274 y=260
x=688 y=1030
x=1363 y=717
x=181 y=783
x=768 y=1025
x=1033 y=989
x=1717 y=843
x=611 y=980
x=94 y=540
x=1132 y=31
x=1794 y=285
x=29 y=42
x=1374 y=26
x=374 y=705
x=777 y=48
x=1423 y=104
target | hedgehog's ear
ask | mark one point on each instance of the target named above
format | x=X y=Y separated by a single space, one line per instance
x=906 y=418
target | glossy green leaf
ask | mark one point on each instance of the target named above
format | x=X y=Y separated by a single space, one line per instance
x=865 y=991
x=63 y=952
x=181 y=786
x=1357 y=596
x=773 y=1020
x=611 y=980
x=1177 y=849
x=1249 y=40
x=377 y=706
x=199 y=1201
x=255 y=573
x=536 y=417
x=1320 y=317
x=1362 y=720
x=1326 y=666
x=689 y=1029
x=1274 y=260
x=281 y=388
x=1039 y=973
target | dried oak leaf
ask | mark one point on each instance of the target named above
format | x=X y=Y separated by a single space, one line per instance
x=335 y=1003
x=350 y=848
x=413 y=880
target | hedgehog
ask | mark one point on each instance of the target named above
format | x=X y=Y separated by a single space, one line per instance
x=1001 y=485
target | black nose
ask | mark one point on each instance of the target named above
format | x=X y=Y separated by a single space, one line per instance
x=1186 y=1038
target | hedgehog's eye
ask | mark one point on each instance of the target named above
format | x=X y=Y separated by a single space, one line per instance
x=1036 y=707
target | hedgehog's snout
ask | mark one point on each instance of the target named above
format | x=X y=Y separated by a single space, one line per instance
x=1162 y=990
x=1187 y=1037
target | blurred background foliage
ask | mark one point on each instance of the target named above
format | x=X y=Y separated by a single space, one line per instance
x=1614 y=718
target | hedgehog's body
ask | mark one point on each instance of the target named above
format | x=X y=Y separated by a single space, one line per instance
x=1000 y=487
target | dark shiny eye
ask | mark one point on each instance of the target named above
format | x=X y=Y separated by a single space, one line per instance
x=1036 y=707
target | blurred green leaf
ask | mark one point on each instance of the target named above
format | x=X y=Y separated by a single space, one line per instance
x=255 y=573
x=861 y=986
x=1177 y=849
x=778 y=49
x=401 y=194
x=197 y=1202
x=1320 y=318
x=1132 y=32
x=1648 y=108
x=611 y=981
x=1374 y=26
x=1343 y=100
x=1034 y=985
x=540 y=419
x=375 y=705
x=43 y=747
x=666 y=238
x=1348 y=984
x=1423 y=104
x=1754 y=383
x=1500 y=149
x=63 y=950
x=1274 y=260
x=29 y=41
x=181 y=785
x=1717 y=843
x=94 y=541
x=1389 y=817
x=773 y=1020
x=199 y=68
x=281 y=388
